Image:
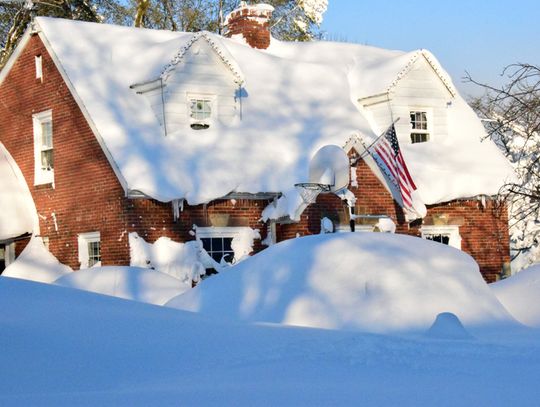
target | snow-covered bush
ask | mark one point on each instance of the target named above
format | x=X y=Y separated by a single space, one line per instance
x=179 y=260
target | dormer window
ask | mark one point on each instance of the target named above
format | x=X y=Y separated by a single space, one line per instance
x=420 y=126
x=200 y=112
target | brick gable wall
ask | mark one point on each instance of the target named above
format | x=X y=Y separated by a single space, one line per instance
x=88 y=197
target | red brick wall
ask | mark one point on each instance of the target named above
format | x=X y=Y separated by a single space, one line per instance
x=248 y=21
x=484 y=229
x=86 y=195
x=152 y=219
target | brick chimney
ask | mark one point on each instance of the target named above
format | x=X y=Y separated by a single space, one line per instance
x=252 y=22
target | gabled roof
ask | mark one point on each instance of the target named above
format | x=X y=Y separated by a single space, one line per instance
x=296 y=98
x=428 y=56
x=216 y=45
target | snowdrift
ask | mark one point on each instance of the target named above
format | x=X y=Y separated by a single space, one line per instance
x=65 y=347
x=131 y=283
x=17 y=210
x=36 y=263
x=520 y=294
x=363 y=281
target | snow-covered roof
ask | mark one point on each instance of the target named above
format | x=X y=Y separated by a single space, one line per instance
x=297 y=97
x=17 y=210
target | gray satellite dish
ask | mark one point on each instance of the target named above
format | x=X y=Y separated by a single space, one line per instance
x=328 y=172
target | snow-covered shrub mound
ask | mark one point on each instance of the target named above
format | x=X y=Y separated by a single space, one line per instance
x=520 y=294
x=448 y=326
x=36 y=263
x=179 y=260
x=376 y=282
x=132 y=283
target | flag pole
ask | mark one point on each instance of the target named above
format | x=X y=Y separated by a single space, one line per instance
x=366 y=152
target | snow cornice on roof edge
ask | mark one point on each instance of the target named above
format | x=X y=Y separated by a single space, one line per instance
x=432 y=61
x=216 y=45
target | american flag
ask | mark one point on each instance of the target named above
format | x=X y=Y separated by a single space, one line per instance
x=388 y=156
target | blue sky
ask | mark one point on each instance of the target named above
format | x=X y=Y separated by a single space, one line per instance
x=478 y=36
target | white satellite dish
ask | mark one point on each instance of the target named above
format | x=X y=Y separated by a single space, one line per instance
x=328 y=172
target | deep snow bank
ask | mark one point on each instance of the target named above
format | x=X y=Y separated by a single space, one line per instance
x=520 y=294
x=368 y=281
x=36 y=263
x=131 y=283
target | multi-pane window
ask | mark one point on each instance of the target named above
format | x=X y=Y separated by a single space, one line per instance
x=445 y=234
x=47 y=162
x=7 y=255
x=201 y=109
x=2 y=257
x=420 y=127
x=219 y=248
x=89 y=249
x=441 y=238
x=200 y=112
x=94 y=253
x=217 y=241
x=43 y=148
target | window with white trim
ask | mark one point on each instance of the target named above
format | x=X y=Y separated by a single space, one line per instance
x=445 y=234
x=201 y=111
x=7 y=255
x=221 y=242
x=89 y=249
x=217 y=241
x=420 y=126
x=43 y=148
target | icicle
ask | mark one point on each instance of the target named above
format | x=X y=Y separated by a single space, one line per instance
x=354 y=180
x=177 y=207
x=53 y=215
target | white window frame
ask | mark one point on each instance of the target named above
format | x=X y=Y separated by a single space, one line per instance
x=42 y=175
x=217 y=232
x=83 y=240
x=39 y=67
x=452 y=231
x=342 y=228
x=9 y=252
x=429 y=124
x=212 y=99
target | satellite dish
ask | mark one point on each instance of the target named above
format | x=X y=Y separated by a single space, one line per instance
x=330 y=166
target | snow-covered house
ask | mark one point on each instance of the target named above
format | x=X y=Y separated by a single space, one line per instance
x=196 y=136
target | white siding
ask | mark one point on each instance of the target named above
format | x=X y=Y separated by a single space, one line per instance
x=419 y=89
x=201 y=72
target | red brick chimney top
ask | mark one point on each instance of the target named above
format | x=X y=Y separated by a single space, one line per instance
x=252 y=22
